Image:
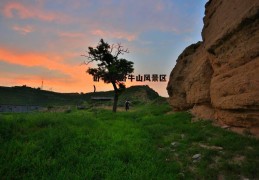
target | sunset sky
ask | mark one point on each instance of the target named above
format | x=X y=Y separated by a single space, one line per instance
x=42 y=40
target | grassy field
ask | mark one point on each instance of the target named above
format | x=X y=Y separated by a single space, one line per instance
x=148 y=142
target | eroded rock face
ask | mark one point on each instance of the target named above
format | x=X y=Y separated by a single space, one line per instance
x=189 y=81
x=219 y=77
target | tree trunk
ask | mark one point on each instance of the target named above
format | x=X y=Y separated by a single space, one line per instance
x=116 y=97
x=115 y=102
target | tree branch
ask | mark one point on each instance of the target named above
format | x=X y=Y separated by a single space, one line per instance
x=87 y=62
x=90 y=59
x=112 y=46
x=120 y=50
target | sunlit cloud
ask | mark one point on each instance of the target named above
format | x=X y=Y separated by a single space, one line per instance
x=23 y=29
x=39 y=71
x=12 y=9
x=36 y=81
x=42 y=60
x=116 y=35
x=71 y=35
x=36 y=67
x=28 y=11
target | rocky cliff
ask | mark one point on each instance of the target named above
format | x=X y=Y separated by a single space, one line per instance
x=218 y=78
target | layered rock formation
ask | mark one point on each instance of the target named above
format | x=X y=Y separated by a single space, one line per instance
x=219 y=77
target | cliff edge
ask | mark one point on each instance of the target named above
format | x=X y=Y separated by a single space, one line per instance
x=218 y=78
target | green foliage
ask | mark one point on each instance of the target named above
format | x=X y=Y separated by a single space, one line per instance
x=98 y=144
x=111 y=69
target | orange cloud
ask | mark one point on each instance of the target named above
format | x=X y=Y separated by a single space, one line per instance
x=16 y=9
x=77 y=81
x=28 y=59
x=34 y=81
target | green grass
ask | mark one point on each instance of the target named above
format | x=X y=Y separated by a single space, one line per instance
x=99 y=144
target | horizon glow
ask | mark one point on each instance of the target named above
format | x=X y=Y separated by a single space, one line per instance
x=43 y=40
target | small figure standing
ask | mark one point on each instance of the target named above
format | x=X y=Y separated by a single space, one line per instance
x=94 y=88
x=127 y=103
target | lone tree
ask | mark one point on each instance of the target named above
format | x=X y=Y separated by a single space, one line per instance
x=111 y=68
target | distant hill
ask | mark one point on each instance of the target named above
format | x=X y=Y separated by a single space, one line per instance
x=23 y=95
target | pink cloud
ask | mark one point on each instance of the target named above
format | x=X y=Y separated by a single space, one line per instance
x=19 y=10
x=71 y=35
x=159 y=7
x=114 y=34
x=10 y=9
x=23 y=29
x=68 y=42
x=98 y=32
